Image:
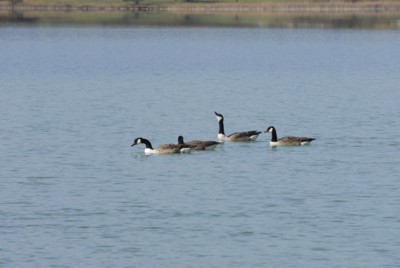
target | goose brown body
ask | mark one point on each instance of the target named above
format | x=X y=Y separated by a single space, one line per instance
x=199 y=145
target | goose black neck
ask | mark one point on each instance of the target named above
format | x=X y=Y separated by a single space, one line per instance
x=221 y=127
x=180 y=140
x=148 y=144
x=274 y=137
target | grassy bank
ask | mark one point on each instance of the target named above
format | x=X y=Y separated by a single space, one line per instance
x=266 y=14
x=165 y=19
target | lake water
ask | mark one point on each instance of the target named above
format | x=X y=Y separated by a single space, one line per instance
x=73 y=193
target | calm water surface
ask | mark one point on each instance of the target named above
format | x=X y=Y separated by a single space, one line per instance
x=73 y=193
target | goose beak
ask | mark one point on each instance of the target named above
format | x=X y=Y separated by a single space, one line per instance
x=133 y=144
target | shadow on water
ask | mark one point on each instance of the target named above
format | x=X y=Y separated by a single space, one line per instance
x=167 y=19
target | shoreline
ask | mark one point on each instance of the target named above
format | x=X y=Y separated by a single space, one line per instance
x=221 y=8
x=372 y=6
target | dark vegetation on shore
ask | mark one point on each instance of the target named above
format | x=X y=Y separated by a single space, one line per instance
x=205 y=5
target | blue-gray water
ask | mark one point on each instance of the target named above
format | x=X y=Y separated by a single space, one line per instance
x=73 y=193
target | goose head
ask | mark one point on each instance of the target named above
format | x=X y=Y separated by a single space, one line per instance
x=220 y=117
x=270 y=129
x=137 y=141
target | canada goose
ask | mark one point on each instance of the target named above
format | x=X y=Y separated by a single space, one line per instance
x=199 y=145
x=287 y=140
x=237 y=136
x=162 y=149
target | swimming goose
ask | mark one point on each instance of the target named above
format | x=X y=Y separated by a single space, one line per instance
x=199 y=145
x=162 y=149
x=287 y=140
x=237 y=136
